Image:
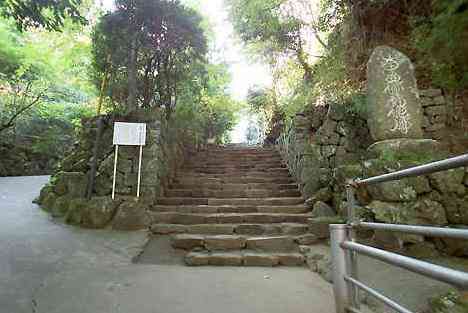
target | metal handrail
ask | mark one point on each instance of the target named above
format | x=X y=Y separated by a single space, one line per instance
x=344 y=246
x=425 y=169
x=439 y=232
x=440 y=273
x=392 y=304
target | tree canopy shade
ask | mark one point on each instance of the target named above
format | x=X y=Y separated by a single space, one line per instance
x=152 y=45
x=270 y=27
x=49 y=14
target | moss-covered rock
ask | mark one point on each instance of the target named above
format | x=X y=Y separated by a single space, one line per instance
x=405 y=149
x=99 y=212
x=420 y=212
x=47 y=204
x=47 y=189
x=75 y=211
x=60 y=207
x=451 y=302
x=73 y=184
x=450 y=181
x=131 y=215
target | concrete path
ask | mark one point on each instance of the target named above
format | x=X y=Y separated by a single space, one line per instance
x=48 y=267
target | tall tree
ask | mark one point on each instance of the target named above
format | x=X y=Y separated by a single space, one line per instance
x=272 y=27
x=155 y=42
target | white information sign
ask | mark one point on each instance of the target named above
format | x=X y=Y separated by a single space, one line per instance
x=129 y=134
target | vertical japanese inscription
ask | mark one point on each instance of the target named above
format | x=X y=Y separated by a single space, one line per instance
x=397 y=103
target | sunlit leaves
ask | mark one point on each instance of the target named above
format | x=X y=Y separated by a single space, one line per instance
x=49 y=14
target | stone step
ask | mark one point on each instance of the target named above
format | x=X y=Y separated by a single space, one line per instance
x=230 y=201
x=283 y=174
x=236 y=171
x=256 y=165
x=212 y=209
x=233 y=153
x=253 y=193
x=237 y=187
x=277 y=229
x=235 y=242
x=228 y=179
x=223 y=160
x=257 y=201
x=227 y=218
x=244 y=258
x=235 y=164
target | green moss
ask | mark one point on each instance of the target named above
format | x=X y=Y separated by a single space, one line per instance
x=406 y=157
x=329 y=220
x=450 y=302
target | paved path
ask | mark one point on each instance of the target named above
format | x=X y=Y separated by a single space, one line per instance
x=48 y=267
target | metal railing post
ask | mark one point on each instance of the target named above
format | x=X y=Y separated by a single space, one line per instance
x=341 y=289
x=353 y=220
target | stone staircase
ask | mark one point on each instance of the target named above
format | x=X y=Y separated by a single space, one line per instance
x=235 y=206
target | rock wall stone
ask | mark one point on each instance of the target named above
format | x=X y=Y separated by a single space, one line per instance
x=325 y=147
x=435 y=117
x=164 y=153
x=317 y=143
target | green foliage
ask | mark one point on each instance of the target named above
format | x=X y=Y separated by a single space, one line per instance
x=211 y=112
x=270 y=30
x=451 y=302
x=44 y=88
x=49 y=14
x=169 y=42
x=442 y=41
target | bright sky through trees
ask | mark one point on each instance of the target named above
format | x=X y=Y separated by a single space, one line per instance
x=227 y=49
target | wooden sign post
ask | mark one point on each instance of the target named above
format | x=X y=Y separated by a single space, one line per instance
x=128 y=134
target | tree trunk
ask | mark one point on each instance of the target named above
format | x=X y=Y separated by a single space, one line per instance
x=132 y=75
x=302 y=58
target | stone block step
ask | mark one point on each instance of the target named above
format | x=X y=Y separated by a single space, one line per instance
x=258 y=166
x=289 y=209
x=235 y=242
x=244 y=258
x=236 y=171
x=253 y=193
x=277 y=229
x=237 y=187
x=227 y=218
x=223 y=160
x=233 y=174
x=239 y=154
x=257 y=201
x=228 y=179
x=276 y=163
x=230 y=201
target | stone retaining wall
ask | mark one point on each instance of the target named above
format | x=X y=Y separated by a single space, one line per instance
x=435 y=113
x=165 y=152
x=326 y=146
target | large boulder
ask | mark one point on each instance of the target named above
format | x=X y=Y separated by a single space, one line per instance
x=418 y=150
x=99 y=212
x=450 y=181
x=131 y=215
x=76 y=211
x=321 y=209
x=394 y=108
x=73 y=184
x=420 y=212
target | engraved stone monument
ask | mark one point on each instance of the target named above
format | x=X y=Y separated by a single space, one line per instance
x=394 y=109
